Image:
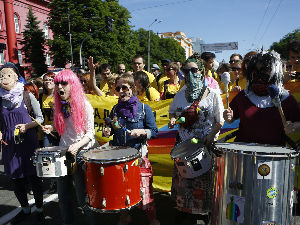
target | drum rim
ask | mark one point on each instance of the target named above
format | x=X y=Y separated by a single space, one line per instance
x=110 y=161
x=62 y=148
x=293 y=154
x=109 y=211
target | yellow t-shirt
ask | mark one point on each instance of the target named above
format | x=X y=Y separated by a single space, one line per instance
x=154 y=95
x=171 y=91
x=104 y=86
x=152 y=79
x=47 y=108
x=161 y=81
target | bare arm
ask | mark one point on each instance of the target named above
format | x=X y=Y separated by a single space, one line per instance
x=93 y=85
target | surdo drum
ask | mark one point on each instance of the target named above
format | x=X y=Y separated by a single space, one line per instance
x=191 y=159
x=112 y=178
x=53 y=161
x=253 y=184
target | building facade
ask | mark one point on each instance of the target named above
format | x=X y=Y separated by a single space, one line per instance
x=182 y=39
x=197 y=42
x=13 y=16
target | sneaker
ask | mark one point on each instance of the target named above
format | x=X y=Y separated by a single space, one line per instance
x=40 y=218
x=21 y=216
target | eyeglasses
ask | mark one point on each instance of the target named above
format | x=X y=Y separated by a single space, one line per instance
x=234 y=61
x=63 y=83
x=187 y=70
x=83 y=81
x=235 y=69
x=49 y=80
x=123 y=87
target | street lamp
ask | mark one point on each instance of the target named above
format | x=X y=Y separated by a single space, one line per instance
x=158 y=21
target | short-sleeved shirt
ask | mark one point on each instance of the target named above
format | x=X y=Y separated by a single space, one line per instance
x=152 y=79
x=171 y=90
x=47 y=108
x=262 y=125
x=153 y=94
x=104 y=86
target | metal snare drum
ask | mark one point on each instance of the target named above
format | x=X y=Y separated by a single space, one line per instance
x=253 y=184
x=191 y=160
x=112 y=176
x=53 y=161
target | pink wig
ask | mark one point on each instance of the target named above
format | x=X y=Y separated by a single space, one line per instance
x=77 y=102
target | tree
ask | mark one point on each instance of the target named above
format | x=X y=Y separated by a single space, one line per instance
x=87 y=20
x=160 y=48
x=33 y=45
x=281 y=46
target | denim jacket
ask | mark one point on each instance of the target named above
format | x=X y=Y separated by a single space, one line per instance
x=144 y=119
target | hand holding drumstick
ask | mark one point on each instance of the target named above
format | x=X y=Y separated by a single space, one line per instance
x=1 y=139
x=45 y=128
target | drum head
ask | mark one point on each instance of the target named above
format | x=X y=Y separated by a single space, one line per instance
x=52 y=149
x=185 y=149
x=110 y=154
x=260 y=149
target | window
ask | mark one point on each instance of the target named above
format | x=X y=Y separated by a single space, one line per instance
x=2 y=61
x=17 y=27
x=45 y=29
x=48 y=62
x=20 y=57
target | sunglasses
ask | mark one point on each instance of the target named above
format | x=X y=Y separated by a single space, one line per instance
x=61 y=82
x=123 y=87
x=235 y=69
x=169 y=69
x=83 y=81
x=187 y=70
x=49 y=80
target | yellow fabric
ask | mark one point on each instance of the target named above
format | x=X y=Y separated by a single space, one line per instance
x=47 y=103
x=152 y=79
x=161 y=81
x=104 y=86
x=154 y=95
x=171 y=88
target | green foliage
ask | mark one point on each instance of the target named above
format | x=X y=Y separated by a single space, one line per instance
x=87 y=21
x=281 y=46
x=34 y=41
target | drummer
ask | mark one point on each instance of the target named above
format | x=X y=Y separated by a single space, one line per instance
x=76 y=128
x=260 y=120
x=135 y=125
x=202 y=109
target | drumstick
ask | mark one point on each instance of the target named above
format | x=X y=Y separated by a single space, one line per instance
x=274 y=94
x=41 y=126
x=4 y=142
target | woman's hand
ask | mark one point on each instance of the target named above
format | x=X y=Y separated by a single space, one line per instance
x=236 y=89
x=22 y=127
x=73 y=149
x=137 y=133
x=91 y=64
x=228 y=115
x=48 y=129
x=1 y=135
x=106 y=131
x=172 y=123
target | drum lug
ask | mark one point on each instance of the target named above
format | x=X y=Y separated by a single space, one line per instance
x=101 y=171
x=127 y=202
x=103 y=202
x=125 y=169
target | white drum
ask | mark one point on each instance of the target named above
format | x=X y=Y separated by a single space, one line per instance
x=53 y=161
x=191 y=159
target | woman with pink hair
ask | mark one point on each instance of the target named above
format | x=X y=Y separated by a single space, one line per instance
x=74 y=121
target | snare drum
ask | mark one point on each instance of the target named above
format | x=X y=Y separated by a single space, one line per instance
x=112 y=178
x=53 y=161
x=191 y=159
x=253 y=184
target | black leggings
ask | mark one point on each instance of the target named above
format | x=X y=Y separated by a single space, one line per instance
x=21 y=192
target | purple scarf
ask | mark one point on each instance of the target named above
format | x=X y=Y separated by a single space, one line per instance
x=128 y=108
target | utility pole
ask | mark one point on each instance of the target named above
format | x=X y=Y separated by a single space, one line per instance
x=156 y=20
x=70 y=37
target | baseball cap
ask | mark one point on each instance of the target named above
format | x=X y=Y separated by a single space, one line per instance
x=155 y=67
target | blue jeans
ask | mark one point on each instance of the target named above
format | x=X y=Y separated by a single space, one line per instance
x=64 y=190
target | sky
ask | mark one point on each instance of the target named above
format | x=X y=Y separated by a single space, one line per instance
x=253 y=23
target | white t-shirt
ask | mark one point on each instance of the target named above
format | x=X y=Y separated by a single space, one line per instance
x=211 y=111
x=70 y=136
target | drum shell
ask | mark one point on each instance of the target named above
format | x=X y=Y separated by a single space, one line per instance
x=114 y=184
x=52 y=162
x=237 y=175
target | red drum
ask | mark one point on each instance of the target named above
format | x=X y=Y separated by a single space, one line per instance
x=112 y=178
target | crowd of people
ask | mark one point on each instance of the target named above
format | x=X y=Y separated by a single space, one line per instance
x=195 y=86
